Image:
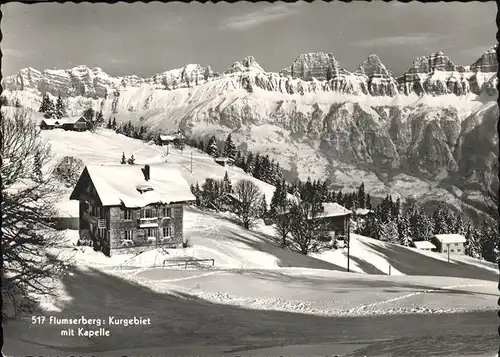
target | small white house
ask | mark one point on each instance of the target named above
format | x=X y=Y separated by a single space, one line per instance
x=449 y=243
x=424 y=245
x=224 y=161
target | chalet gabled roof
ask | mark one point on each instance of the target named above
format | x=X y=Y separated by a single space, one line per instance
x=333 y=209
x=69 y=120
x=424 y=244
x=117 y=185
x=450 y=238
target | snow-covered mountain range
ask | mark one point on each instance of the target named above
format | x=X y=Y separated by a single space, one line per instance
x=428 y=133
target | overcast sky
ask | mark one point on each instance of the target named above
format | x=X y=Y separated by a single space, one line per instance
x=145 y=39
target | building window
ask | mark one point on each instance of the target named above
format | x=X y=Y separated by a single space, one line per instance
x=101 y=232
x=456 y=244
x=167 y=212
x=150 y=232
x=459 y=250
x=445 y=251
x=452 y=250
x=147 y=213
x=129 y=234
x=128 y=214
x=168 y=232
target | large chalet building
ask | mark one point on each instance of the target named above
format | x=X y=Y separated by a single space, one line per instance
x=122 y=206
x=335 y=221
x=73 y=124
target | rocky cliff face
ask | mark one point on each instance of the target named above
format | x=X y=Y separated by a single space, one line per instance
x=315 y=117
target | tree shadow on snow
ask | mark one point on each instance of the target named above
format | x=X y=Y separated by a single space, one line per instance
x=413 y=263
x=178 y=319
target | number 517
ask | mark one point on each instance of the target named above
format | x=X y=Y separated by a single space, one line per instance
x=37 y=320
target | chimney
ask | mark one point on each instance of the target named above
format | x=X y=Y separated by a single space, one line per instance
x=146 y=172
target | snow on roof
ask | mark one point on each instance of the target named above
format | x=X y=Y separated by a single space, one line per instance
x=333 y=209
x=117 y=184
x=167 y=137
x=223 y=159
x=363 y=211
x=450 y=238
x=424 y=245
x=62 y=121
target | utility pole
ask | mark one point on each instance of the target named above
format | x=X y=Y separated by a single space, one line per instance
x=348 y=242
x=448 y=252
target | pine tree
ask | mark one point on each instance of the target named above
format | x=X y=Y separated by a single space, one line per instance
x=361 y=196
x=212 y=148
x=99 y=118
x=263 y=207
x=368 y=201
x=18 y=103
x=257 y=167
x=249 y=163
x=124 y=159
x=472 y=243
x=46 y=103
x=239 y=161
x=226 y=184
x=131 y=160
x=440 y=221
x=266 y=170
x=113 y=124
x=404 y=230
x=88 y=114
x=109 y=125
x=277 y=173
x=229 y=148
x=389 y=231
x=47 y=107
x=60 y=111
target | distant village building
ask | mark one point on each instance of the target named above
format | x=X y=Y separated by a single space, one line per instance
x=124 y=206
x=449 y=243
x=363 y=212
x=424 y=245
x=335 y=221
x=74 y=124
x=224 y=161
x=173 y=138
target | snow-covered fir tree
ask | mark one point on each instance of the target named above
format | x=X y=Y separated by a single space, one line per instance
x=229 y=148
x=60 y=108
x=226 y=184
x=212 y=147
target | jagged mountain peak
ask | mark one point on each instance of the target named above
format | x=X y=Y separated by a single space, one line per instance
x=488 y=62
x=372 y=65
x=434 y=62
x=247 y=64
x=319 y=65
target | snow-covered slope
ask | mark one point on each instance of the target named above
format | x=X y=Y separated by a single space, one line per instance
x=214 y=236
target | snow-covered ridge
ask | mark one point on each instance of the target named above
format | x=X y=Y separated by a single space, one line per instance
x=433 y=75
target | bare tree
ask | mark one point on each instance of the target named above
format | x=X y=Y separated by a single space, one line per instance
x=306 y=226
x=28 y=213
x=249 y=196
x=282 y=224
x=69 y=169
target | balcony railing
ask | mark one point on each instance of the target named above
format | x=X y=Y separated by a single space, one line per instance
x=148 y=222
x=99 y=222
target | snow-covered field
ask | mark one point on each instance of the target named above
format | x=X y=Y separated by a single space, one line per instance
x=256 y=294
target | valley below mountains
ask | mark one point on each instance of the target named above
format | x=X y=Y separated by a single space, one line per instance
x=428 y=134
